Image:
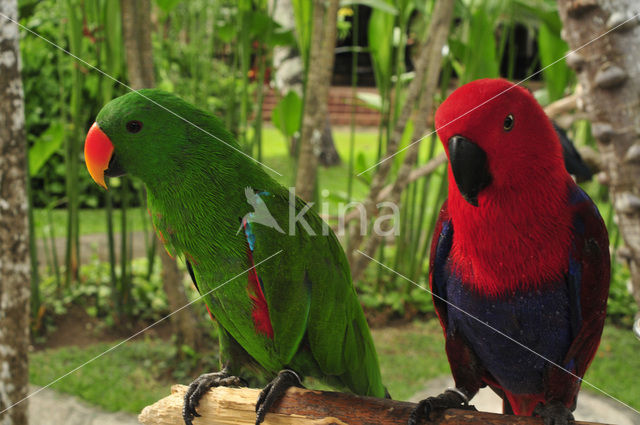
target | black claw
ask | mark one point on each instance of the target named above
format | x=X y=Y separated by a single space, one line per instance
x=200 y=386
x=554 y=413
x=449 y=399
x=274 y=392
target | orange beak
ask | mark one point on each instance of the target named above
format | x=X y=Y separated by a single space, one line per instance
x=97 y=153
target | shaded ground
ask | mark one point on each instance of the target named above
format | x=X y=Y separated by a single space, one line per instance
x=48 y=407
x=78 y=328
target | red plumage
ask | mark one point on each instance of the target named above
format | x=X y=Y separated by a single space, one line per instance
x=534 y=235
x=534 y=174
x=260 y=312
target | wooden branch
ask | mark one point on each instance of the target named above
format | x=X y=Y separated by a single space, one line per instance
x=225 y=406
x=561 y=106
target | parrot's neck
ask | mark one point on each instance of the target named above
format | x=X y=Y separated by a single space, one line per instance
x=519 y=240
x=200 y=217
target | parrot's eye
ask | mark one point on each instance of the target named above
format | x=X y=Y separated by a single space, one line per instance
x=134 y=126
x=508 y=123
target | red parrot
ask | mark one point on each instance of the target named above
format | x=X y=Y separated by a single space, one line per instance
x=519 y=267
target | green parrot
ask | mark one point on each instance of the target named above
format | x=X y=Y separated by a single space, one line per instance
x=272 y=273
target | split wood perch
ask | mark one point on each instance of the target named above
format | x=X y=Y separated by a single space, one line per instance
x=225 y=406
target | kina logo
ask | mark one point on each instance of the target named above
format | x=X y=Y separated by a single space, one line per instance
x=260 y=214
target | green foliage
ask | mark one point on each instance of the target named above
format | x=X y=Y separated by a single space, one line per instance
x=381 y=25
x=394 y=297
x=49 y=77
x=371 y=100
x=287 y=114
x=556 y=75
x=303 y=11
x=167 y=5
x=380 y=5
x=45 y=146
x=621 y=307
x=94 y=293
x=473 y=44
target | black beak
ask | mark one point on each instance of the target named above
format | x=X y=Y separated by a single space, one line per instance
x=114 y=169
x=469 y=166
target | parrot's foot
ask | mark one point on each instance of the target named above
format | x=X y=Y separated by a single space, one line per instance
x=450 y=399
x=554 y=413
x=201 y=385
x=274 y=392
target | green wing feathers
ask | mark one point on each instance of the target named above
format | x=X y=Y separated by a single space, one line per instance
x=318 y=299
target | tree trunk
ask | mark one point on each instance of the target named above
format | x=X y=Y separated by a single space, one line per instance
x=323 y=42
x=14 y=242
x=329 y=155
x=288 y=76
x=184 y=322
x=136 y=28
x=609 y=72
x=136 y=32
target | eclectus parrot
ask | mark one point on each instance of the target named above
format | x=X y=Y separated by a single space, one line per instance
x=519 y=267
x=272 y=273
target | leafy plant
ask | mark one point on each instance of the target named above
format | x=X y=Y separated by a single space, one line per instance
x=287 y=114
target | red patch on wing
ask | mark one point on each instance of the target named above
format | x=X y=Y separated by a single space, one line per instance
x=210 y=315
x=260 y=313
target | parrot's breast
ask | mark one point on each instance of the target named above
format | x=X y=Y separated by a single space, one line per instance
x=519 y=334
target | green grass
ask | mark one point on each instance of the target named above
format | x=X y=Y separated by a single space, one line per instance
x=410 y=355
x=616 y=366
x=121 y=380
x=126 y=378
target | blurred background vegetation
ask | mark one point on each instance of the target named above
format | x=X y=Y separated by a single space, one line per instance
x=95 y=272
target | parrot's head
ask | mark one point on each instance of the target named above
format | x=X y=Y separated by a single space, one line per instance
x=146 y=133
x=498 y=140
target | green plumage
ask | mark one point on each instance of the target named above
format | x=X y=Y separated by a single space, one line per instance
x=196 y=195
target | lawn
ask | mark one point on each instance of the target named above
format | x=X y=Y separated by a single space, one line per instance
x=124 y=379
x=410 y=355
